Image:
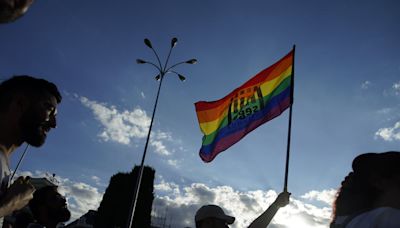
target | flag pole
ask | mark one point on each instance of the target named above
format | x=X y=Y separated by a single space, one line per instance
x=290 y=124
x=19 y=162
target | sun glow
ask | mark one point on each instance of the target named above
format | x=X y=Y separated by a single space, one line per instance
x=295 y=221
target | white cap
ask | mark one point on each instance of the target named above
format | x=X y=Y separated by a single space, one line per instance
x=213 y=211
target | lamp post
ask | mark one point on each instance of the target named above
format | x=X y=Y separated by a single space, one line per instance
x=162 y=72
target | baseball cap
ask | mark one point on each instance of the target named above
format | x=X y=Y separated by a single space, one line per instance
x=213 y=211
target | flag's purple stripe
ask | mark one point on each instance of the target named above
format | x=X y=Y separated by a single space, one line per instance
x=228 y=136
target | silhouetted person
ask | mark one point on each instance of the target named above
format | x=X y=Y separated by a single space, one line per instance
x=11 y=10
x=212 y=216
x=369 y=196
x=116 y=204
x=23 y=218
x=48 y=208
x=28 y=108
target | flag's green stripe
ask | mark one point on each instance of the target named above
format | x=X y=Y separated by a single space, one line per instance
x=207 y=139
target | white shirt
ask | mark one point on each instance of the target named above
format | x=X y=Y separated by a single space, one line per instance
x=4 y=173
x=385 y=217
x=4 y=177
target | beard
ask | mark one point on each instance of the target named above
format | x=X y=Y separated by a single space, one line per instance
x=61 y=214
x=32 y=131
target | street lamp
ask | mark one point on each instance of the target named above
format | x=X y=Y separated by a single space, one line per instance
x=162 y=71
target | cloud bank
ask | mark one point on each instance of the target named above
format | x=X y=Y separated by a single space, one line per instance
x=179 y=205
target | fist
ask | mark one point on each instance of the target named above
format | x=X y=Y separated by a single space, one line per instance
x=21 y=192
x=282 y=199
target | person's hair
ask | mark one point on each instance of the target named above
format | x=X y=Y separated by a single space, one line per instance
x=39 y=198
x=26 y=85
x=355 y=194
x=12 y=10
x=198 y=224
x=359 y=191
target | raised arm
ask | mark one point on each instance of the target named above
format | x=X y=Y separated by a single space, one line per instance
x=265 y=218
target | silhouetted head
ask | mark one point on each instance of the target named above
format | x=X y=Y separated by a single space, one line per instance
x=49 y=207
x=374 y=182
x=212 y=216
x=34 y=103
x=385 y=164
x=11 y=10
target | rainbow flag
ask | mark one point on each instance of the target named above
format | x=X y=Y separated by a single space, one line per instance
x=262 y=98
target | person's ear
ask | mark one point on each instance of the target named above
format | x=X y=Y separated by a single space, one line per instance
x=379 y=182
x=22 y=102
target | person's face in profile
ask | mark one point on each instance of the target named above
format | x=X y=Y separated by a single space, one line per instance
x=219 y=223
x=38 y=119
x=214 y=223
x=56 y=205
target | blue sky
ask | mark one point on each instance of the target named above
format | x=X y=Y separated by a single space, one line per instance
x=347 y=93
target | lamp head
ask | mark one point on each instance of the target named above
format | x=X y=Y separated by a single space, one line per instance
x=174 y=41
x=191 y=61
x=148 y=43
x=181 y=77
x=140 y=61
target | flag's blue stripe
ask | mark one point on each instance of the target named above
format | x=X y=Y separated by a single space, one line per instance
x=241 y=124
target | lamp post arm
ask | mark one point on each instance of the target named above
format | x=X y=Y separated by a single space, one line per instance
x=158 y=59
x=154 y=65
x=166 y=61
x=172 y=71
x=176 y=64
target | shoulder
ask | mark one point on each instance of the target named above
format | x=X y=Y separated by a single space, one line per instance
x=380 y=217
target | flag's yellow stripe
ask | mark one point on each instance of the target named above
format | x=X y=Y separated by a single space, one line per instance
x=266 y=88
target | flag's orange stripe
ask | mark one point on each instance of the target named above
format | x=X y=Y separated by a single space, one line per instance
x=210 y=111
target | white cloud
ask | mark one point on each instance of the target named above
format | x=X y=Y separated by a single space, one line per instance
x=181 y=204
x=385 y=111
x=125 y=126
x=389 y=133
x=396 y=88
x=365 y=85
x=119 y=126
x=167 y=187
x=142 y=94
x=173 y=162
x=97 y=180
x=81 y=197
x=159 y=148
x=326 y=196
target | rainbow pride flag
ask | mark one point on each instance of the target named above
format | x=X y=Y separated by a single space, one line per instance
x=262 y=98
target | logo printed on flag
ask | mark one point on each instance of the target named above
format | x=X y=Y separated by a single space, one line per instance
x=262 y=98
